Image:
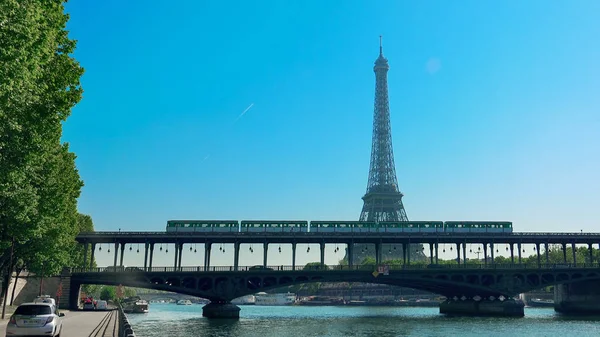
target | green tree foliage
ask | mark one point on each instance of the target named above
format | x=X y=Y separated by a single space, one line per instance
x=108 y=293
x=39 y=183
x=314 y=266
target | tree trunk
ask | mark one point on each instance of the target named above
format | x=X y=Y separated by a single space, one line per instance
x=12 y=297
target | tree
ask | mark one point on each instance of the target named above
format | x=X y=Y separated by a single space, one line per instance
x=39 y=184
x=108 y=293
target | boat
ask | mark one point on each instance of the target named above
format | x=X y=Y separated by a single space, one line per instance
x=184 y=302
x=135 y=305
x=274 y=299
x=540 y=303
x=244 y=300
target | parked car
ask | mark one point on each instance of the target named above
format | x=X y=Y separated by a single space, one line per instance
x=101 y=305
x=259 y=268
x=35 y=319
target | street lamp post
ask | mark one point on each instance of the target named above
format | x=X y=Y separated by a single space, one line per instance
x=42 y=280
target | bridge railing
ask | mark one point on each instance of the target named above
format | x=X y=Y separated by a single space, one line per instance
x=325 y=268
x=407 y=233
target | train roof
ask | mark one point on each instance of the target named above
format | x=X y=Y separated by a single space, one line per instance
x=172 y=222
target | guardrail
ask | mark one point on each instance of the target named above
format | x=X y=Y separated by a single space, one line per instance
x=125 y=329
x=333 y=268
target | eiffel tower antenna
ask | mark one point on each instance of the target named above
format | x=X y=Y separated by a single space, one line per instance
x=383 y=200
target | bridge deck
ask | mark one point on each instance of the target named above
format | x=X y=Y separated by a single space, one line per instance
x=339 y=237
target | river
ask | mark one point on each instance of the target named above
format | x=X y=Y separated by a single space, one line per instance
x=185 y=321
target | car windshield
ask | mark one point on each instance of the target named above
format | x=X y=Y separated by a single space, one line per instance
x=33 y=310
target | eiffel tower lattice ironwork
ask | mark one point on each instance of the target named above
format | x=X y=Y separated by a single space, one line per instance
x=383 y=200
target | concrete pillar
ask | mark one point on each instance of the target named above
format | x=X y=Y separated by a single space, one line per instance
x=146 y=256
x=574 y=254
x=492 y=250
x=590 y=250
x=546 y=252
x=265 y=250
x=539 y=256
x=207 y=249
x=437 y=261
x=151 y=255
x=404 y=252
x=464 y=253
x=458 y=253
x=512 y=253
x=122 y=254
x=92 y=257
x=322 y=246
x=180 y=255
x=430 y=253
x=350 y=254
x=581 y=297
x=377 y=253
x=176 y=246
x=485 y=261
x=519 y=246
x=236 y=255
x=116 y=252
x=294 y=256
x=408 y=253
x=85 y=250
x=564 y=249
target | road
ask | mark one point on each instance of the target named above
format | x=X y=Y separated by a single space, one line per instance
x=80 y=324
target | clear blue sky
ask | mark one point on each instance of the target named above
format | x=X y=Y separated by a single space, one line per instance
x=494 y=107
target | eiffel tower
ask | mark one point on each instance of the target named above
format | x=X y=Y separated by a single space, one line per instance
x=383 y=199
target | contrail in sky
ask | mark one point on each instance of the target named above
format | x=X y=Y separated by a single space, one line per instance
x=206 y=157
x=244 y=112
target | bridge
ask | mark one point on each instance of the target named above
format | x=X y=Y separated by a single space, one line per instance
x=458 y=282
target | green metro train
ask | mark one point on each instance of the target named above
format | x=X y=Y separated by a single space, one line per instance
x=200 y=226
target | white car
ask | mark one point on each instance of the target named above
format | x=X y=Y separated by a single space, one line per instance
x=45 y=299
x=101 y=305
x=35 y=319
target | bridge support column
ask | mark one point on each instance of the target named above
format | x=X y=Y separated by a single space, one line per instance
x=408 y=253
x=492 y=251
x=92 y=257
x=350 y=254
x=322 y=246
x=485 y=255
x=175 y=264
x=437 y=255
x=581 y=297
x=116 y=252
x=265 y=250
x=122 y=254
x=404 y=252
x=574 y=249
x=85 y=250
x=564 y=249
x=519 y=246
x=207 y=248
x=546 y=252
x=294 y=256
x=377 y=253
x=221 y=310
x=458 y=253
x=512 y=253
x=484 y=307
x=431 y=253
x=146 y=256
x=180 y=255
x=590 y=251
x=151 y=256
x=539 y=256
x=236 y=255
x=464 y=253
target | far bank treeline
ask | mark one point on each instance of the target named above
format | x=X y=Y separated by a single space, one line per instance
x=39 y=182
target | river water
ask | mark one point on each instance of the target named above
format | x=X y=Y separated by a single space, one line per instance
x=184 y=321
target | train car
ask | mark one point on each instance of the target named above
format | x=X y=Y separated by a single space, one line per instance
x=202 y=226
x=365 y=227
x=273 y=226
x=411 y=226
x=333 y=226
x=478 y=227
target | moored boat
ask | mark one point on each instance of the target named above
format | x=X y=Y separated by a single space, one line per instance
x=274 y=299
x=184 y=302
x=135 y=305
